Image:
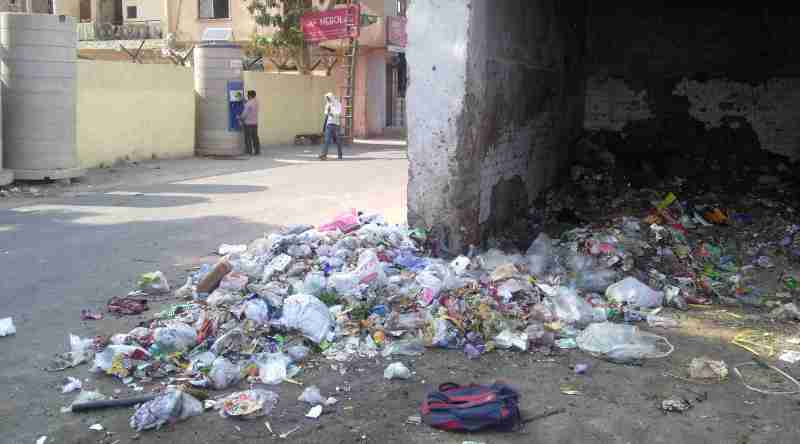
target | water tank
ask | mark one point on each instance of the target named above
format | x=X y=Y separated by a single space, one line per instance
x=38 y=72
x=214 y=65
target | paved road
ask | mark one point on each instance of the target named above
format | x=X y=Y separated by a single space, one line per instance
x=59 y=255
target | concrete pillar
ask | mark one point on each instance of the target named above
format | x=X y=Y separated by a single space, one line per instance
x=492 y=110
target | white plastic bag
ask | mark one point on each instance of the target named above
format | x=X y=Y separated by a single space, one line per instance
x=7 y=327
x=540 y=255
x=234 y=282
x=153 y=283
x=223 y=297
x=249 y=404
x=631 y=291
x=571 y=308
x=226 y=249
x=460 y=264
x=223 y=374
x=309 y=315
x=314 y=284
x=272 y=367
x=257 y=311
x=397 y=370
x=311 y=395
x=175 y=337
x=622 y=342
x=172 y=406
x=369 y=269
x=508 y=339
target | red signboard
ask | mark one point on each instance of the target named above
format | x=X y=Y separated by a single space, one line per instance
x=396 y=31
x=335 y=24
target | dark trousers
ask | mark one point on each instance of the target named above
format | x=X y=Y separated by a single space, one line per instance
x=251 y=143
x=331 y=134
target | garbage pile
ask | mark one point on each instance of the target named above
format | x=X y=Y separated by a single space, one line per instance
x=358 y=287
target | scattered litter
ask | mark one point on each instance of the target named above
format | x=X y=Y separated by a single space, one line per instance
x=397 y=370
x=311 y=395
x=153 y=283
x=676 y=405
x=83 y=398
x=315 y=412
x=759 y=343
x=226 y=249
x=791 y=356
x=170 y=407
x=90 y=315
x=41 y=440
x=96 y=427
x=762 y=365
x=249 y=404
x=7 y=327
x=570 y=390
x=581 y=369
x=705 y=368
x=127 y=305
x=71 y=385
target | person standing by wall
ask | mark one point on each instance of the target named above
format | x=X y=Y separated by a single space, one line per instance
x=333 y=116
x=249 y=119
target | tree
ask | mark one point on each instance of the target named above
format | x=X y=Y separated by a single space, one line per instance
x=287 y=42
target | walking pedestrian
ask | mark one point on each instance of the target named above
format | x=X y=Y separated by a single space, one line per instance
x=333 y=116
x=249 y=119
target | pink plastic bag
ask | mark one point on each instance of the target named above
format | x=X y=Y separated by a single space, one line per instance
x=345 y=222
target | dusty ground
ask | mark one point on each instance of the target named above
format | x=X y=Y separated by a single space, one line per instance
x=78 y=247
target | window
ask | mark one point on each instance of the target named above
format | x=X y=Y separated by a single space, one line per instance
x=132 y=12
x=214 y=9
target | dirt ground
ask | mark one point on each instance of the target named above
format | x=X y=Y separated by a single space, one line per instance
x=615 y=404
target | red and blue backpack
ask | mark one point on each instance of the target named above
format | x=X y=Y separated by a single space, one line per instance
x=472 y=408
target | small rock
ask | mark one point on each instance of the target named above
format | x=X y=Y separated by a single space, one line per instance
x=768 y=180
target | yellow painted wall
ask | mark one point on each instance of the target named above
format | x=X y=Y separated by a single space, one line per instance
x=182 y=17
x=135 y=112
x=289 y=104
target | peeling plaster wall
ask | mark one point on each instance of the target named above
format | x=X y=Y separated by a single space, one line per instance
x=670 y=75
x=771 y=108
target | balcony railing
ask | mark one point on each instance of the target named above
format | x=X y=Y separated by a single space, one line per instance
x=93 y=31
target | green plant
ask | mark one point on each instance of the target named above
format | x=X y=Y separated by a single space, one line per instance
x=286 y=42
x=329 y=298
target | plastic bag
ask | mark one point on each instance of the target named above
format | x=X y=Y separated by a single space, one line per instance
x=631 y=291
x=311 y=395
x=406 y=347
x=272 y=367
x=495 y=258
x=118 y=360
x=345 y=284
x=226 y=249
x=201 y=361
x=153 y=283
x=397 y=370
x=406 y=321
x=257 y=311
x=249 y=404
x=309 y=315
x=233 y=340
x=622 y=342
x=172 y=406
x=234 y=282
x=83 y=397
x=297 y=352
x=460 y=264
x=247 y=264
x=71 y=385
x=444 y=334
x=508 y=339
x=7 y=327
x=410 y=261
x=223 y=374
x=345 y=222
x=273 y=292
x=223 y=297
x=540 y=255
x=300 y=251
x=187 y=290
x=314 y=284
x=175 y=337
x=431 y=286
x=571 y=308
x=369 y=269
